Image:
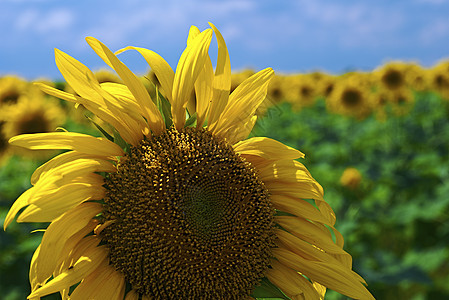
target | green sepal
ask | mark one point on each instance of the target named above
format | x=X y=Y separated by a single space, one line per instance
x=191 y=121
x=120 y=141
x=267 y=290
x=164 y=107
x=103 y=132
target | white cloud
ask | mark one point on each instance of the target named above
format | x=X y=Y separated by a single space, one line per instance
x=44 y=22
x=350 y=24
x=163 y=19
x=26 y=19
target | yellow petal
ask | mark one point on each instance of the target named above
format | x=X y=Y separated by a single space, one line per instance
x=321 y=289
x=239 y=134
x=189 y=67
x=72 y=161
x=68 y=140
x=243 y=103
x=20 y=203
x=100 y=108
x=92 y=257
x=123 y=97
x=203 y=90
x=71 y=245
x=46 y=209
x=160 y=67
x=77 y=75
x=309 y=251
x=127 y=112
x=310 y=232
x=291 y=282
x=132 y=295
x=298 y=207
x=222 y=81
x=193 y=33
x=103 y=283
x=326 y=210
x=35 y=282
x=55 y=92
x=57 y=234
x=191 y=103
x=335 y=277
x=289 y=171
x=54 y=179
x=135 y=85
x=267 y=148
x=294 y=190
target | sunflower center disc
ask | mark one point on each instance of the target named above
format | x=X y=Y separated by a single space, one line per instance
x=351 y=97
x=191 y=219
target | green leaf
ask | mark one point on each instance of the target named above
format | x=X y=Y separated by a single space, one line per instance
x=103 y=132
x=267 y=290
x=191 y=120
x=165 y=108
x=120 y=141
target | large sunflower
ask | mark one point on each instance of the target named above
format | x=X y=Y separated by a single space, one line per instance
x=177 y=205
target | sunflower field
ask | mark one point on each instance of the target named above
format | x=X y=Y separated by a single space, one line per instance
x=378 y=142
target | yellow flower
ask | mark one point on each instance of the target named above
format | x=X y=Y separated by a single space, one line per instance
x=325 y=85
x=439 y=79
x=301 y=91
x=392 y=76
x=351 y=96
x=11 y=89
x=276 y=90
x=417 y=77
x=32 y=114
x=187 y=207
x=351 y=178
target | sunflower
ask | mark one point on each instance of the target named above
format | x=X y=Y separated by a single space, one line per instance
x=351 y=96
x=32 y=114
x=351 y=178
x=439 y=78
x=417 y=77
x=178 y=205
x=392 y=76
x=325 y=85
x=11 y=89
x=301 y=91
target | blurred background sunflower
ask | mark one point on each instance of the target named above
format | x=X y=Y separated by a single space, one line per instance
x=366 y=100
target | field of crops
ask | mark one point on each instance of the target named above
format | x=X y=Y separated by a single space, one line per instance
x=378 y=142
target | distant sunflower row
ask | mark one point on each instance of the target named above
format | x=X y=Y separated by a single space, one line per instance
x=360 y=94
x=25 y=109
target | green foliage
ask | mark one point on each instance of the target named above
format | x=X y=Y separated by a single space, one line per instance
x=395 y=223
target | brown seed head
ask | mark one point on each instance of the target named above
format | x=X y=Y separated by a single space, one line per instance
x=191 y=219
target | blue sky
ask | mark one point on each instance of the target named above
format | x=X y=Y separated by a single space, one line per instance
x=289 y=36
